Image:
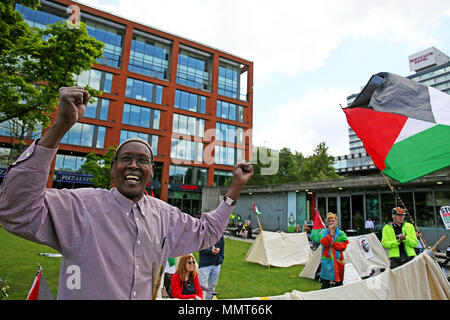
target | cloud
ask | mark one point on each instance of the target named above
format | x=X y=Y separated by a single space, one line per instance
x=302 y=124
x=288 y=36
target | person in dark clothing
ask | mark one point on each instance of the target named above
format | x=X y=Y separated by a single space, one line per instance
x=210 y=261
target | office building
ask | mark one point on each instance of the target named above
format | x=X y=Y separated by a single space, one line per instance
x=192 y=102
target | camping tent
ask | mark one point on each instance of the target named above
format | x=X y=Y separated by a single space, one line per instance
x=280 y=249
x=419 y=279
x=364 y=252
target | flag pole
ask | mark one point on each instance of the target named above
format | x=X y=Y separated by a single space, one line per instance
x=421 y=238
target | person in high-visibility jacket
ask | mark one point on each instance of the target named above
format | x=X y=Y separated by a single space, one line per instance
x=400 y=238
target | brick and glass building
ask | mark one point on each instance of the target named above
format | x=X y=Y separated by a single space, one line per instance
x=191 y=102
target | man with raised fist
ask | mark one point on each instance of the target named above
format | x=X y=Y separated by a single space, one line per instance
x=113 y=238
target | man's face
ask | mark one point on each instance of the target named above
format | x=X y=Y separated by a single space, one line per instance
x=132 y=170
x=399 y=219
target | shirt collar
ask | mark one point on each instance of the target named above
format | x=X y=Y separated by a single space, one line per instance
x=126 y=204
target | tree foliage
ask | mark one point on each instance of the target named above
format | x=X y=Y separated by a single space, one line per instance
x=99 y=166
x=293 y=167
x=35 y=63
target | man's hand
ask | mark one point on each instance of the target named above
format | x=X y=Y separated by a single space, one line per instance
x=242 y=172
x=401 y=237
x=72 y=105
x=215 y=251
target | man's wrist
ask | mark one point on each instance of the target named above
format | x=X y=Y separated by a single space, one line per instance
x=229 y=201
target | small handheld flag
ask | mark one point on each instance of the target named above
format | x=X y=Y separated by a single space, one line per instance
x=318 y=222
x=39 y=289
x=255 y=209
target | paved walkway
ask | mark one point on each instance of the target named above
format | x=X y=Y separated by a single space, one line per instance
x=238 y=238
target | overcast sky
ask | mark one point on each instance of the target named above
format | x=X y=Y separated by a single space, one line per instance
x=308 y=55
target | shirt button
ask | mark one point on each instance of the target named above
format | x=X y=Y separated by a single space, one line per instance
x=137 y=219
x=139 y=241
x=134 y=293
x=137 y=266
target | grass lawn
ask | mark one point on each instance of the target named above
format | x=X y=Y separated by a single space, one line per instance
x=238 y=278
x=242 y=279
x=19 y=263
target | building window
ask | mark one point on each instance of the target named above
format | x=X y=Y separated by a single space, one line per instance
x=141 y=116
x=68 y=163
x=229 y=133
x=14 y=128
x=194 y=69
x=150 y=57
x=145 y=91
x=230 y=111
x=190 y=101
x=186 y=150
x=85 y=135
x=109 y=35
x=96 y=79
x=98 y=110
x=228 y=84
x=188 y=175
x=39 y=18
x=220 y=176
x=150 y=138
x=227 y=156
x=424 y=209
x=188 y=125
x=112 y=38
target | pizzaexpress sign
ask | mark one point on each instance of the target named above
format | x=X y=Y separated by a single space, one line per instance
x=73 y=177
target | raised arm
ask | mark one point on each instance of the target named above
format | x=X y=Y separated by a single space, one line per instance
x=72 y=106
x=25 y=203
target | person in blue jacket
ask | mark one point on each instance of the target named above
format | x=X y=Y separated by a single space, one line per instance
x=210 y=261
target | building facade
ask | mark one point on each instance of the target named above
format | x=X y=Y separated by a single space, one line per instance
x=191 y=102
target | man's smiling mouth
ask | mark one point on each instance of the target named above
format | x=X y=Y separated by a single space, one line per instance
x=132 y=179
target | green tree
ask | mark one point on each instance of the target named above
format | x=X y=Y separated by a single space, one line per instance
x=319 y=166
x=99 y=166
x=295 y=167
x=35 y=63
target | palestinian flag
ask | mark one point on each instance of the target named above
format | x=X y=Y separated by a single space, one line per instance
x=404 y=126
x=255 y=209
x=318 y=226
x=39 y=289
x=318 y=222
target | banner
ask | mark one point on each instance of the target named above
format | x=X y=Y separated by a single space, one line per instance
x=365 y=247
x=445 y=215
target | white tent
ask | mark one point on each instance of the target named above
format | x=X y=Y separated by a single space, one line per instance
x=280 y=249
x=419 y=279
x=364 y=252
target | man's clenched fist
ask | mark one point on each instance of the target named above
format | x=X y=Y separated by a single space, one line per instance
x=72 y=105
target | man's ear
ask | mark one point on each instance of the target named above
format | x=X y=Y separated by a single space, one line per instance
x=153 y=170
x=112 y=170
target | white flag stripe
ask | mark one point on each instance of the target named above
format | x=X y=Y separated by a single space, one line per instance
x=412 y=127
x=440 y=105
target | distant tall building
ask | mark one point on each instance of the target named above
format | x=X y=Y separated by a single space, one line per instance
x=191 y=102
x=431 y=67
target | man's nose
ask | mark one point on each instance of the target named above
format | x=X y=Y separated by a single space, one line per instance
x=133 y=163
